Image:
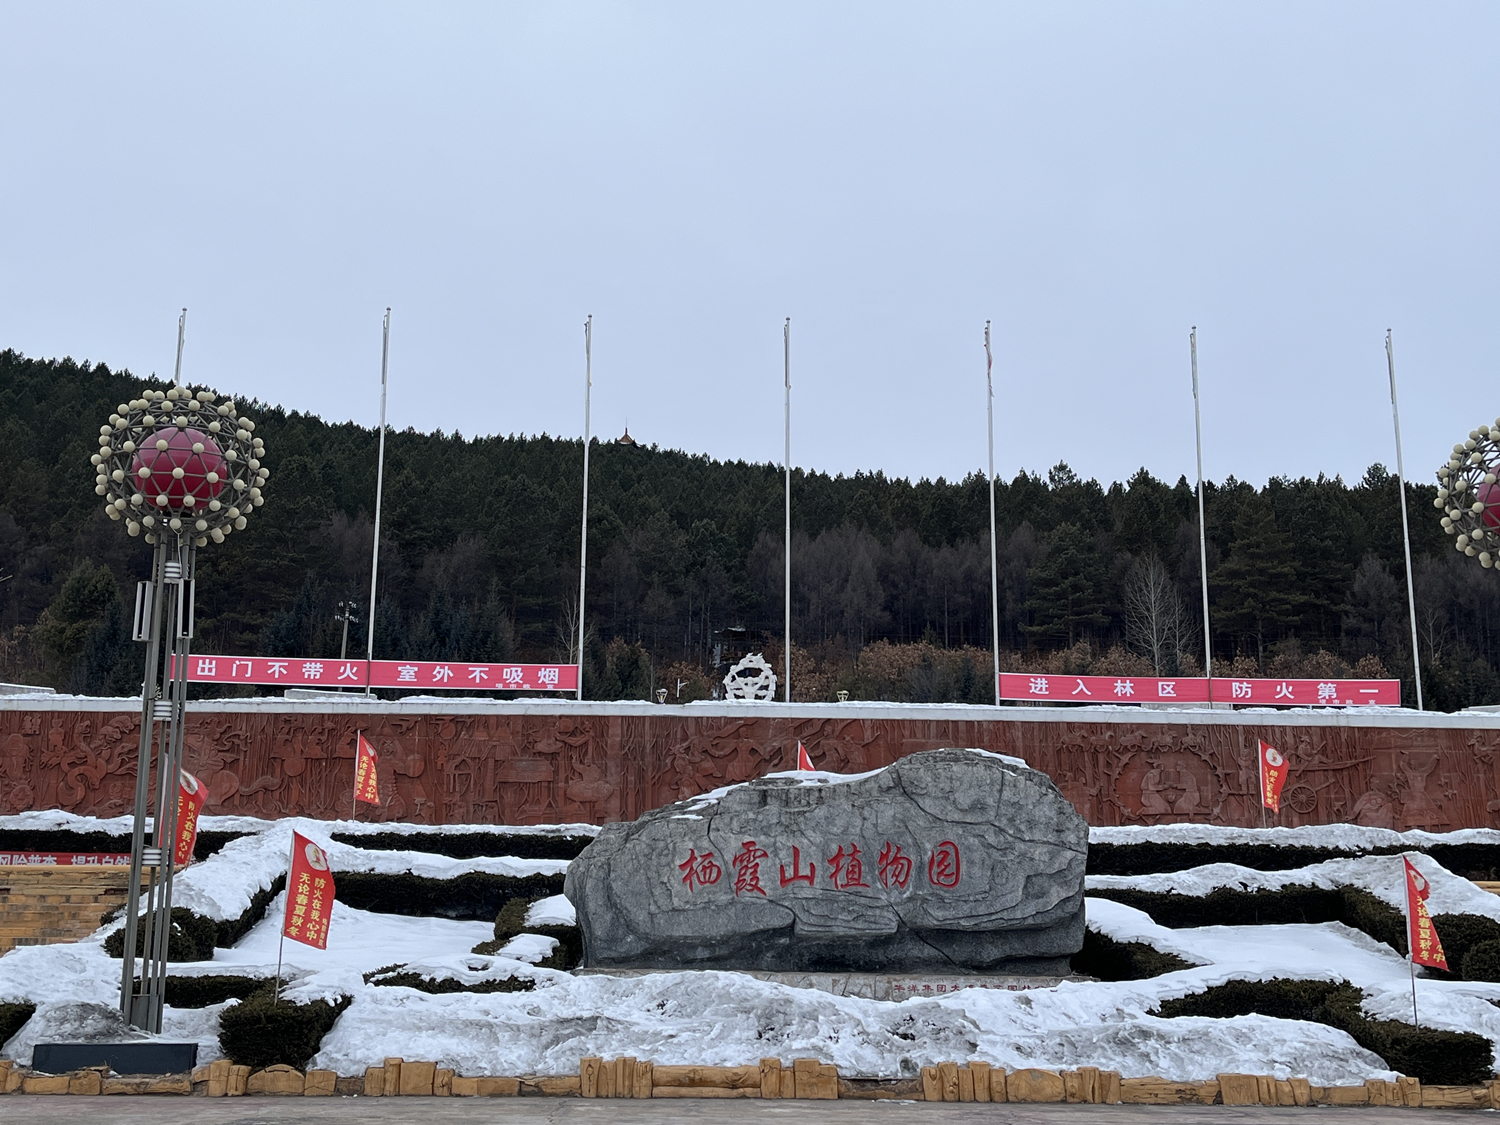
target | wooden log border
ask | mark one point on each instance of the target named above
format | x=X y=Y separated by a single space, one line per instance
x=804 y=1078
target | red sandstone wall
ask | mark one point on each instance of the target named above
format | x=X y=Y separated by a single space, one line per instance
x=519 y=769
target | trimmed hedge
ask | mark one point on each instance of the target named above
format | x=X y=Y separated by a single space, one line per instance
x=232 y=929
x=13 y=1017
x=511 y=921
x=470 y=845
x=192 y=938
x=200 y=992
x=390 y=977
x=1482 y=962
x=1106 y=959
x=1438 y=1058
x=1353 y=906
x=63 y=840
x=261 y=1032
x=473 y=896
x=1149 y=857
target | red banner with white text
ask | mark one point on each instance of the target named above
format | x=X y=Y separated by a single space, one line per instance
x=1049 y=688
x=427 y=675
x=191 y=796
x=309 y=894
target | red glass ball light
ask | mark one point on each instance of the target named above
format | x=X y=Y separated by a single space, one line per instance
x=160 y=478
x=1490 y=494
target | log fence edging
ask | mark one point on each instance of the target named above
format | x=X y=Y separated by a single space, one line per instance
x=803 y=1078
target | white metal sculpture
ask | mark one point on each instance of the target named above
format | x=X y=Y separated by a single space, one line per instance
x=751 y=678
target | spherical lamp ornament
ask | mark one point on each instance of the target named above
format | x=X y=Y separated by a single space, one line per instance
x=1469 y=497
x=165 y=453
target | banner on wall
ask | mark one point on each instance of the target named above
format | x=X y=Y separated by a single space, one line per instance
x=1049 y=688
x=412 y=675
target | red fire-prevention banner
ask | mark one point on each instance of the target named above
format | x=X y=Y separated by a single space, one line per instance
x=427 y=675
x=366 y=784
x=309 y=894
x=1422 y=937
x=1273 y=769
x=1046 y=687
x=190 y=798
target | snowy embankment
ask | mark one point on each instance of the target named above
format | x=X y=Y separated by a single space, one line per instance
x=717 y=1018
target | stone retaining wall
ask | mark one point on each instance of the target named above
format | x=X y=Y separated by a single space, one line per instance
x=523 y=762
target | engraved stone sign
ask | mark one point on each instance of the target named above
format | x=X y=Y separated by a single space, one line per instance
x=948 y=860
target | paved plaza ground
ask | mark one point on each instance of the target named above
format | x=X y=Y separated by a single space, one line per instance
x=545 y=1111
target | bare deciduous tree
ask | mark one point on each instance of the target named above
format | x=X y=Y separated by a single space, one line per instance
x=1155 y=622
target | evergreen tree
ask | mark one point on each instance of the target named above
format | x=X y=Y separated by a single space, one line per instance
x=1258 y=594
x=1066 y=600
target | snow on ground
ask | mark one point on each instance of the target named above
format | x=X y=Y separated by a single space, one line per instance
x=730 y=1018
x=1381 y=875
x=553 y=911
x=1349 y=837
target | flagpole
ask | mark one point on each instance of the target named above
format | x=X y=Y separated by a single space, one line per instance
x=1208 y=654
x=989 y=383
x=281 y=943
x=354 y=809
x=787 y=567
x=583 y=550
x=1411 y=596
x=1411 y=953
x=385 y=354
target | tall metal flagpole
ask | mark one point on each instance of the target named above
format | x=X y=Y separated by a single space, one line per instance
x=583 y=550
x=1208 y=652
x=1411 y=596
x=385 y=355
x=787 y=568
x=989 y=383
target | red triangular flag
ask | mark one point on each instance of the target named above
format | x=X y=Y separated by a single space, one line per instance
x=804 y=763
x=309 y=894
x=1273 y=769
x=1421 y=935
x=366 y=786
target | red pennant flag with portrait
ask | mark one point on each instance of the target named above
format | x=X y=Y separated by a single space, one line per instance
x=1273 y=770
x=309 y=894
x=803 y=761
x=1421 y=936
x=191 y=796
x=366 y=785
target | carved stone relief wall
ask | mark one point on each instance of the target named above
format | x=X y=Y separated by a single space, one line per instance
x=488 y=768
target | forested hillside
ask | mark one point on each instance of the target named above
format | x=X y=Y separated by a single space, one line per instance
x=890 y=578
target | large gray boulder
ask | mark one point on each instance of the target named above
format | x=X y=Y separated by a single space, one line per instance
x=948 y=860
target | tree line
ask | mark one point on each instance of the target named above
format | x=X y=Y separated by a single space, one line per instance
x=890 y=577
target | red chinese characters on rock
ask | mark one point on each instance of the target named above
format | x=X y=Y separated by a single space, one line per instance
x=892 y=868
x=943 y=865
x=846 y=868
x=699 y=870
x=798 y=875
x=747 y=868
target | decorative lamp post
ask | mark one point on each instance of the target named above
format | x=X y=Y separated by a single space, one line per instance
x=183 y=470
x=1469 y=497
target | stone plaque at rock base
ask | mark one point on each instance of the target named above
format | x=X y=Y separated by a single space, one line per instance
x=948 y=860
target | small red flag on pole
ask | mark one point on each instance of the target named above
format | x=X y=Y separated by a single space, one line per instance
x=366 y=784
x=1422 y=944
x=1273 y=769
x=190 y=798
x=1422 y=938
x=804 y=763
x=309 y=894
x=309 y=899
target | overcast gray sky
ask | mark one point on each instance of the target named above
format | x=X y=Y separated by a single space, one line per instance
x=1291 y=178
